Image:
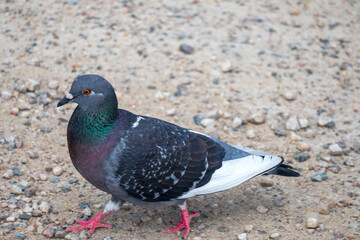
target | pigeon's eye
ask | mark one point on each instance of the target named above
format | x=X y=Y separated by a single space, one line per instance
x=86 y=91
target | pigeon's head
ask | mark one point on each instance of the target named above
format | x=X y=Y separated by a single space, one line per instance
x=90 y=92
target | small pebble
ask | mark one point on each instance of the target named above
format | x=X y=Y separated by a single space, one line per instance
x=321 y=122
x=8 y=174
x=302 y=146
x=303 y=122
x=257 y=118
x=215 y=114
x=83 y=235
x=335 y=150
x=312 y=223
x=319 y=176
x=198 y=119
x=26 y=122
x=335 y=168
x=73 y=180
x=159 y=221
x=350 y=236
x=289 y=96
x=84 y=205
x=6 y=95
x=45 y=129
x=262 y=209
x=338 y=234
x=294 y=11
x=25 y=216
x=136 y=220
x=292 y=123
x=10 y=219
x=65 y=188
x=349 y=163
x=266 y=182
x=226 y=66
x=98 y=206
x=248 y=192
x=27 y=209
x=302 y=156
x=45 y=207
x=226 y=115
x=279 y=202
x=43 y=177
x=324 y=211
x=16 y=171
x=208 y=122
x=299 y=219
x=14 y=111
x=241 y=236
x=87 y=211
x=36 y=213
x=250 y=133
x=249 y=228
x=33 y=154
x=187 y=49
x=160 y=95
x=53 y=84
x=24 y=106
x=171 y=112
x=330 y=124
x=49 y=232
x=20 y=236
x=40 y=229
x=54 y=180
x=236 y=122
x=222 y=229
x=274 y=236
x=145 y=219
x=32 y=85
x=57 y=171
x=16 y=190
x=279 y=131
x=60 y=234
x=18 y=143
x=29 y=192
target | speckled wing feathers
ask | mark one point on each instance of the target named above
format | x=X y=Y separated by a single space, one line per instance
x=164 y=161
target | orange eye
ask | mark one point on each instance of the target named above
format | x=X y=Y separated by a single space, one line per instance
x=86 y=91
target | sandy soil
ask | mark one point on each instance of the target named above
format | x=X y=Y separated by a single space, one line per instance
x=279 y=60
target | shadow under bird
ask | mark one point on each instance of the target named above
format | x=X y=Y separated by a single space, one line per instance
x=147 y=161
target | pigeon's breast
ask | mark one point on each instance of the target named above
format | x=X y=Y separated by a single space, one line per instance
x=90 y=159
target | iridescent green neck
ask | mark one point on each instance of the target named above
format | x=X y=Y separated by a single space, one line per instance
x=94 y=124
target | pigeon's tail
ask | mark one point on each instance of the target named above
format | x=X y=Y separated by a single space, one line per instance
x=283 y=170
x=236 y=171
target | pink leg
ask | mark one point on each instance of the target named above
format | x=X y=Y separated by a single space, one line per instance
x=92 y=224
x=186 y=218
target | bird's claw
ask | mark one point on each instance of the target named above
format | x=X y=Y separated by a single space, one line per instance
x=184 y=224
x=92 y=224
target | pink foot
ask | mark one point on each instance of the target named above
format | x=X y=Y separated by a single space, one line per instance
x=186 y=218
x=92 y=224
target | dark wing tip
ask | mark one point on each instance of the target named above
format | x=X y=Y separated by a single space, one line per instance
x=284 y=170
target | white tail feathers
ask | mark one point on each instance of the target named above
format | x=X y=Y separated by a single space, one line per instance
x=235 y=172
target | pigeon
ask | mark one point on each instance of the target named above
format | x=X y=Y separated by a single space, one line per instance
x=148 y=161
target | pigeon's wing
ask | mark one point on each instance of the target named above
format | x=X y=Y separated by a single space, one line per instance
x=160 y=161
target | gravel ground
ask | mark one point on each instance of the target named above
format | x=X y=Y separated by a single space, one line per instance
x=281 y=76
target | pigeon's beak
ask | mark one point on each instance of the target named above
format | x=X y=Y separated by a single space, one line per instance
x=68 y=98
